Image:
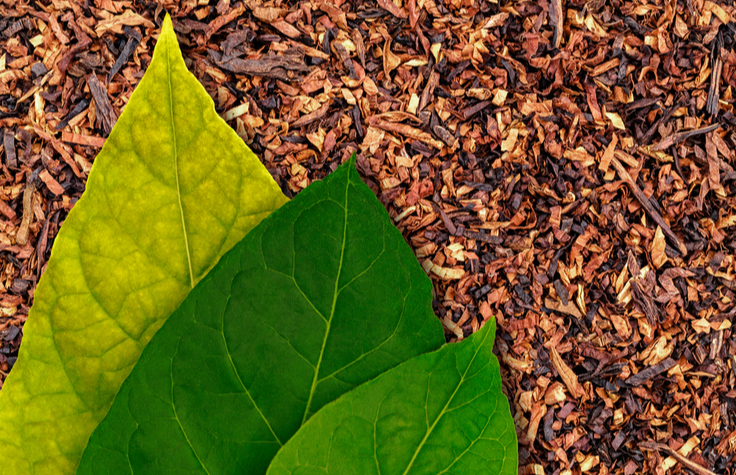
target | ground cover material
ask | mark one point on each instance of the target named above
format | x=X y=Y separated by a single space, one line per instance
x=557 y=165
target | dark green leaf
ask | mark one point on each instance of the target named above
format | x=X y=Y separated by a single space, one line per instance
x=438 y=413
x=322 y=296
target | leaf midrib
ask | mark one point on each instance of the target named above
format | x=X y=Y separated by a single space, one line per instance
x=176 y=168
x=334 y=302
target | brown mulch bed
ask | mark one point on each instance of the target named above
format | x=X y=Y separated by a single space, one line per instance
x=566 y=167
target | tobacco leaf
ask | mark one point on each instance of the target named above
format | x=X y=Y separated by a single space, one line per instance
x=322 y=296
x=172 y=190
x=438 y=413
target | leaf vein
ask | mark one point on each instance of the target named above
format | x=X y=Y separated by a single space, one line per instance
x=237 y=374
x=373 y=350
x=176 y=170
x=334 y=303
x=176 y=415
x=296 y=284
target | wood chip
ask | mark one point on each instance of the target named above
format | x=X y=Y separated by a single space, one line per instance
x=568 y=376
x=106 y=116
x=11 y=159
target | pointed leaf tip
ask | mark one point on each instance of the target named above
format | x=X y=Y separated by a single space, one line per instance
x=167 y=24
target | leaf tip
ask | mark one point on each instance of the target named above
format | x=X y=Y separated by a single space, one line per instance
x=491 y=324
x=167 y=24
x=167 y=28
x=350 y=163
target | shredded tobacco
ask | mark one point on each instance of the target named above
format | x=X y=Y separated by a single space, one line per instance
x=565 y=166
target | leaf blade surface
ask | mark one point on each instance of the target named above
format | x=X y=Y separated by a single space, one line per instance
x=323 y=295
x=438 y=413
x=171 y=191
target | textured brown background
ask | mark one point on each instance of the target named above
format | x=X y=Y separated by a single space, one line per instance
x=552 y=164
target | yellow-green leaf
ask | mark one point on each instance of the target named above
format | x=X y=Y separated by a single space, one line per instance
x=172 y=190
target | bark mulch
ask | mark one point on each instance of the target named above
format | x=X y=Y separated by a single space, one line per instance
x=568 y=168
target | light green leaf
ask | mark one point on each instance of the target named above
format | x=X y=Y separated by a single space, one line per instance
x=320 y=297
x=438 y=413
x=171 y=191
